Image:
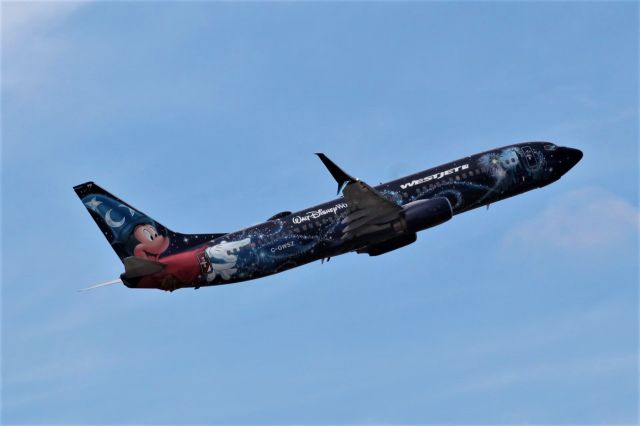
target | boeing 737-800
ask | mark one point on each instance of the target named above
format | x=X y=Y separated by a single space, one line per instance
x=364 y=219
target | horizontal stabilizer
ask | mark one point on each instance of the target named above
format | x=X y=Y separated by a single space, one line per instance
x=338 y=174
x=135 y=267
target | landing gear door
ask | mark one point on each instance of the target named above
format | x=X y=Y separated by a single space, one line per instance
x=530 y=157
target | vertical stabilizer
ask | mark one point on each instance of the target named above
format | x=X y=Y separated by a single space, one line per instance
x=129 y=231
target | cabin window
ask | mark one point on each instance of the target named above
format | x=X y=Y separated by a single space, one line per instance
x=296 y=230
x=457 y=177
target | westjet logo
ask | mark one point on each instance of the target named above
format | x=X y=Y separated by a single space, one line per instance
x=434 y=177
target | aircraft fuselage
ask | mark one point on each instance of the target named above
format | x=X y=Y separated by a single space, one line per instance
x=292 y=239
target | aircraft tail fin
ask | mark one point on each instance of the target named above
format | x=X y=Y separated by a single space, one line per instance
x=131 y=232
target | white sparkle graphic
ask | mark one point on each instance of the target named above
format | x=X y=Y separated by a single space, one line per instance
x=93 y=204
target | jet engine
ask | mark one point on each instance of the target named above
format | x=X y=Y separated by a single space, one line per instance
x=423 y=214
x=388 y=245
x=416 y=216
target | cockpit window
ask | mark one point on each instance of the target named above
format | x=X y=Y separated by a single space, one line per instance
x=550 y=147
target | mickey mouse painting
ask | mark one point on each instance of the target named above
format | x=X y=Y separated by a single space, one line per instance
x=130 y=232
x=149 y=244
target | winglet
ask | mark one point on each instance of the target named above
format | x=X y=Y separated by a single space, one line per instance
x=338 y=174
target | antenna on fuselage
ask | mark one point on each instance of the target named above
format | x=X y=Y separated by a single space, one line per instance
x=112 y=282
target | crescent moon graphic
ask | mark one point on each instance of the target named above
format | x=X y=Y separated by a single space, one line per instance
x=132 y=211
x=112 y=223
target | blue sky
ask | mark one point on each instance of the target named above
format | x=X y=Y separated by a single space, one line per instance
x=206 y=115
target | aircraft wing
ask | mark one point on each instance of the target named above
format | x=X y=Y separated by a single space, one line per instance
x=368 y=211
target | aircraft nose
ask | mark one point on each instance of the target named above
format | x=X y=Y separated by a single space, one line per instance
x=568 y=157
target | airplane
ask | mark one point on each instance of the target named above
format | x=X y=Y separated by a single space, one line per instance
x=363 y=219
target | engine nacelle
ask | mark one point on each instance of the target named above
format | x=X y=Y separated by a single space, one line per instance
x=389 y=245
x=416 y=216
x=423 y=214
